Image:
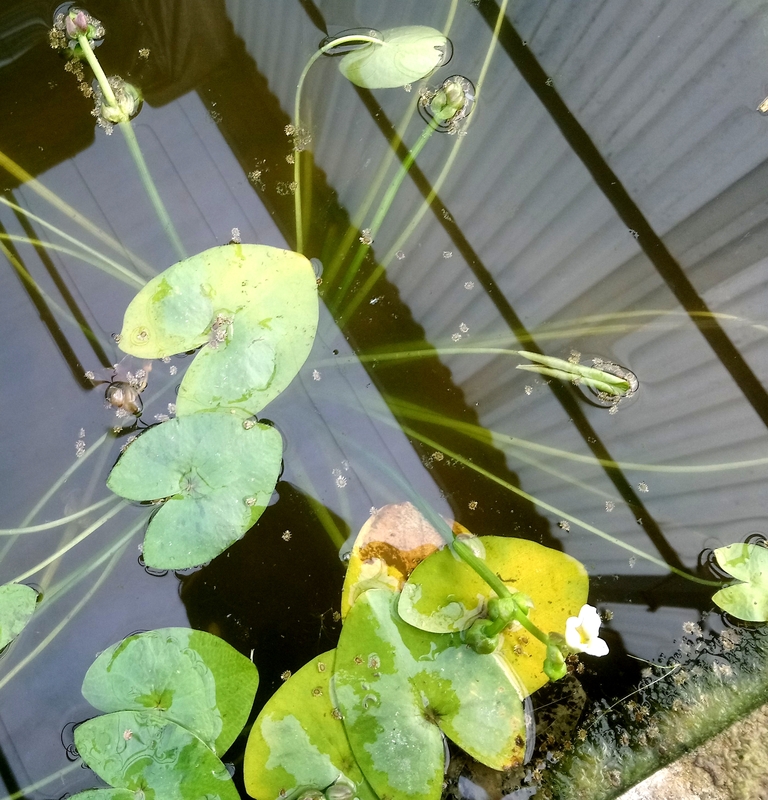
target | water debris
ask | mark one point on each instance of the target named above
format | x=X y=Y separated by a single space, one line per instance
x=469 y=285
x=173 y=369
x=447 y=254
x=285 y=675
x=529 y=390
x=286 y=536
x=316 y=376
x=285 y=188
x=642 y=486
x=341 y=481
x=472 y=505
x=365 y=237
x=609 y=505
x=80 y=448
x=399 y=255
x=463 y=327
x=455 y=337
x=144 y=53
x=290 y=158
x=564 y=525
x=235 y=237
x=634 y=233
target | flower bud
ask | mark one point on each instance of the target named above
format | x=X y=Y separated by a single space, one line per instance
x=554 y=663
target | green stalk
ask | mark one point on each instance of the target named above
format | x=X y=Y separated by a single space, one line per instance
x=297 y=122
x=556 y=511
x=66 y=548
x=367 y=287
x=45 y=526
x=133 y=147
x=151 y=189
x=22 y=794
x=384 y=206
x=115 y=269
x=64 y=622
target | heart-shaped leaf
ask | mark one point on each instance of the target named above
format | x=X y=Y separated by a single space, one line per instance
x=254 y=307
x=390 y=544
x=142 y=751
x=747 y=563
x=444 y=595
x=398 y=687
x=298 y=740
x=190 y=677
x=17 y=604
x=217 y=473
x=405 y=55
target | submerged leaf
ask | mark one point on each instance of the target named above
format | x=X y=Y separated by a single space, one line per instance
x=104 y=794
x=298 y=742
x=139 y=750
x=190 y=677
x=217 y=475
x=444 y=595
x=17 y=604
x=255 y=307
x=747 y=563
x=398 y=687
x=387 y=548
x=405 y=55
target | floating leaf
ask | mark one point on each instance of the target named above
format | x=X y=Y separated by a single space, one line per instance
x=390 y=544
x=190 y=677
x=444 y=595
x=104 y=794
x=139 y=750
x=17 y=604
x=217 y=475
x=398 y=687
x=255 y=306
x=298 y=743
x=405 y=55
x=747 y=563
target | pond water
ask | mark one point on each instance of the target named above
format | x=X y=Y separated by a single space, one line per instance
x=607 y=198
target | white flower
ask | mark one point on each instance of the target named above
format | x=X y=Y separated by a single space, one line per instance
x=581 y=633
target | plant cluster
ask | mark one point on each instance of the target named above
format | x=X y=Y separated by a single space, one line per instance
x=444 y=634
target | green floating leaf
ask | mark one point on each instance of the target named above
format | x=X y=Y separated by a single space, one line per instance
x=255 y=307
x=444 y=595
x=141 y=751
x=189 y=677
x=747 y=563
x=298 y=743
x=105 y=794
x=217 y=474
x=17 y=604
x=397 y=687
x=405 y=55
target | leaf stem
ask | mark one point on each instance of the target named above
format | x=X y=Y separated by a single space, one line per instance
x=356 y=38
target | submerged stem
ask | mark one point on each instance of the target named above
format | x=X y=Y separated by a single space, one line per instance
x=45 y=526
x=383 y=209
x=62 y=550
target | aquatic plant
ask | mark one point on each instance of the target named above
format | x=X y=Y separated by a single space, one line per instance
x=452 y=645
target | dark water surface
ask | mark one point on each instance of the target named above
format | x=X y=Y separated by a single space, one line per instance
x=608 y=198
